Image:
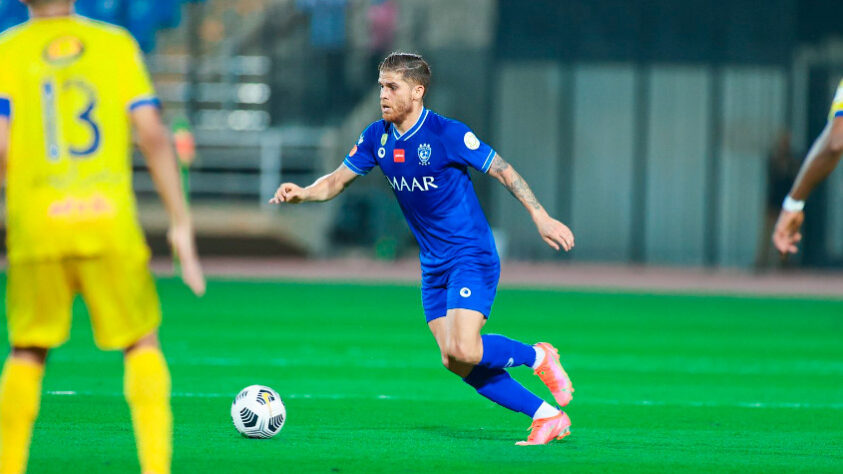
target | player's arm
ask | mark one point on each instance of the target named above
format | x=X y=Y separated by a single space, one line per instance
x=154 y=142
x=323 y=189
x=821 y=160
x=555 y=233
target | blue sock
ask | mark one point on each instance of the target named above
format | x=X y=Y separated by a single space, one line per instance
x=500 y=352
x=498 y=386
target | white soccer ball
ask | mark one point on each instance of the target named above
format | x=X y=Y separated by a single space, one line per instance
x=258 y=412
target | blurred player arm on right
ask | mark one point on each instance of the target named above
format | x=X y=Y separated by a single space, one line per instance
x=553 y=232
x=154 y=142
x=323 y=189
x=821 y=160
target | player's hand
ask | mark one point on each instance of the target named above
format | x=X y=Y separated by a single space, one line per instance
x=555 y=233
x=288 y=192
x=786 y=233
x=182 y=240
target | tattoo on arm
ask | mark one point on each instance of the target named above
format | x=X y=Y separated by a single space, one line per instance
x=514 y=183
x=519 y=188
x=498 y=165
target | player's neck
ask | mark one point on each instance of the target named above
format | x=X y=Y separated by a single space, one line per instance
x=409 y=121
x=52 y=10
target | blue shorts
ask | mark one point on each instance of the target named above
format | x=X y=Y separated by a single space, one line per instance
x=466 y=286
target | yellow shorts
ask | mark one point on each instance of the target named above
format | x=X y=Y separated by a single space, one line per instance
x=119 y=293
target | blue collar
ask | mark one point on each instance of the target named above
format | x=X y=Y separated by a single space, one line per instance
x=415 y=128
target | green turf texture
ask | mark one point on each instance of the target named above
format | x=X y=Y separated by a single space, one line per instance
x=664 y=383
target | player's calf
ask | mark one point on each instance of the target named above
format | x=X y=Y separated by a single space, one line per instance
x=453 y=365
x=501 y=352
x=20 y=399
x=147 y=389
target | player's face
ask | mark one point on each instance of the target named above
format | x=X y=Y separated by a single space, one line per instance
x=396 y=96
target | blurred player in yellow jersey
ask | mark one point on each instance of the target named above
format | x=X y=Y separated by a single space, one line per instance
x=70 y=91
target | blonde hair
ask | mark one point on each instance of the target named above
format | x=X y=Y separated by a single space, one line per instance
x=412 y=67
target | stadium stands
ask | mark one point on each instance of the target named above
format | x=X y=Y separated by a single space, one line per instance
x=142 y=17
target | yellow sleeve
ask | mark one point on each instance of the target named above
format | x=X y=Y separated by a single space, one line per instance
x=137 y=87
x=837 y=103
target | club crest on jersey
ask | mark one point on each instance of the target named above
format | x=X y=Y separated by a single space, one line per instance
x=424 y=154
x=63 y=50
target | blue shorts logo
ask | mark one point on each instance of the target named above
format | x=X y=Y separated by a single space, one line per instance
x=465 y=292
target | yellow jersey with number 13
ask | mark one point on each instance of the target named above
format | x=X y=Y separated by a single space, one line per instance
x=67 y=85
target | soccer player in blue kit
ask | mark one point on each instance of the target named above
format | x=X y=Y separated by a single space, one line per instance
x=425 y=158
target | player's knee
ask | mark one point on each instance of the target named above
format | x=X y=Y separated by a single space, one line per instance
x=446 y=361
x=148 y=341
x=37 y=355
x=465 y=353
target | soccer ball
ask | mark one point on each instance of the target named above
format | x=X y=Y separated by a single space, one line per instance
x=258 y=412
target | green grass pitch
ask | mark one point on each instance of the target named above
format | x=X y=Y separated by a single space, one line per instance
x=664 y=383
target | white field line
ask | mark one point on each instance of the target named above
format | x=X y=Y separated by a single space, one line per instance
x=579 y=401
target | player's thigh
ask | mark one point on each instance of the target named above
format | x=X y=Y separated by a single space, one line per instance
x=464 y=327
x=39 y=298
x=458 y=324
x=121 y=298
x=459 y=355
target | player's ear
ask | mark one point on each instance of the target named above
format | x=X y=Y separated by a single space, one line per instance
x=418 y=92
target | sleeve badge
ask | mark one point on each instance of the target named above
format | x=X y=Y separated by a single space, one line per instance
x=471 y=141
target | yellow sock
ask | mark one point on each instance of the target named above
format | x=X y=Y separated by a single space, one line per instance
x=147 y=389
x=20 y=397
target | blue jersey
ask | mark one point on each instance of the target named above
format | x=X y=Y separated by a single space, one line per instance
x=427 y=168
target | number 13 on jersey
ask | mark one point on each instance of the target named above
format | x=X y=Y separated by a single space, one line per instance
x=82 y=135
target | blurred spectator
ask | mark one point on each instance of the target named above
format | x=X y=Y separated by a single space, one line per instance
x=12 y=12
x=328 y=36
x=169 y=13
x=109 y=11
x=383 y=21
x=143 y=18
x=327 y=22
x=782 y=167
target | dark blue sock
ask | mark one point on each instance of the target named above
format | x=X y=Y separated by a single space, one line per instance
x=499 y=387
x=500 y=352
